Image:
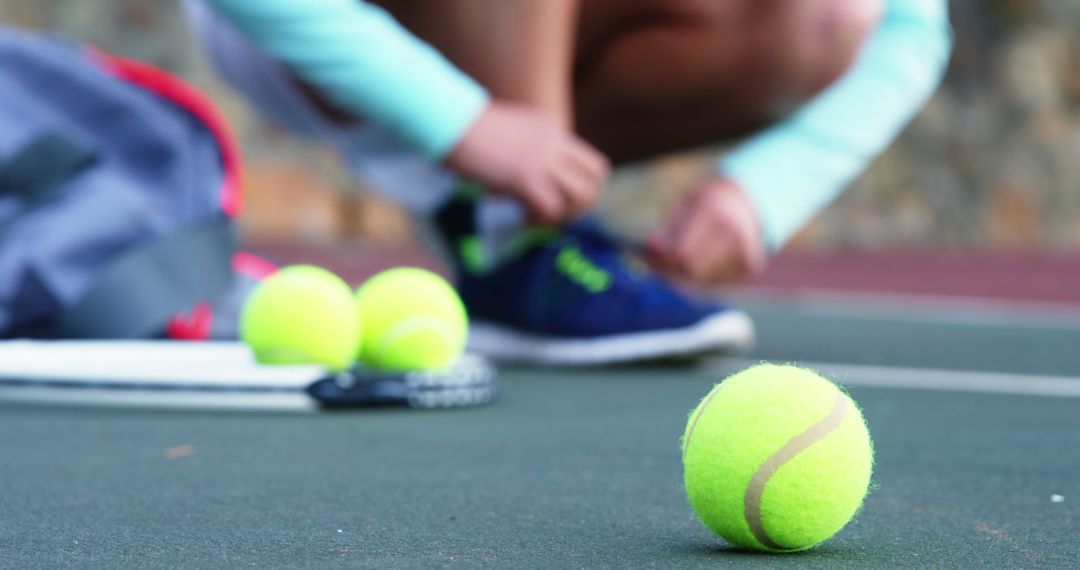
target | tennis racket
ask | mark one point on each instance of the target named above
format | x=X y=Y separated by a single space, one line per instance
x=220 y=375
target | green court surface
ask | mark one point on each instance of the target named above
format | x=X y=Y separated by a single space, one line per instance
x=975 y=414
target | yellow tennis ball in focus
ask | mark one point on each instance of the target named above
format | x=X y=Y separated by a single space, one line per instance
x=777 y=458
x=302 y=315
x=413 y=320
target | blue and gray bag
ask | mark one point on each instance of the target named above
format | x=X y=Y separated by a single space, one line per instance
x=118 y=183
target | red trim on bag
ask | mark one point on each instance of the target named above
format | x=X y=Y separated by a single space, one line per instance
x=195 y=325
x=198 y=323
x=193 y=101
x=253 y=266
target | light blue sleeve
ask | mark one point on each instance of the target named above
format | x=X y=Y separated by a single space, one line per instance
x=363 y=60
x=796 y=168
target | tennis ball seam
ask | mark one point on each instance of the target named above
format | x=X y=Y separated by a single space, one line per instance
x=755 y=490
x=409 y=326
x=697 y=413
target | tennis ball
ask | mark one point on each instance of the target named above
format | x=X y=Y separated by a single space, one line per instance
x=776 y=458
x=301 y=315
x=413 y=320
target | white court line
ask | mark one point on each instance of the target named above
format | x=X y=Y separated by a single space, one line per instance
x=929 y=379
x=917 y=308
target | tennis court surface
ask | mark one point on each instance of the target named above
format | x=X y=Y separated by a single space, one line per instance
x=974 y=406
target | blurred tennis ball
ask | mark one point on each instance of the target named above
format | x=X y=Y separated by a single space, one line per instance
x=776 y=458
x=302 y=314
x=413 y=320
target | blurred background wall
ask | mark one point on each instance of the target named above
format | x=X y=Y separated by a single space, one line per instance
x=993 y=163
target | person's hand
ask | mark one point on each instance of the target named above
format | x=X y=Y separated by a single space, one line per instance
x=712 y=237
x=524 y=153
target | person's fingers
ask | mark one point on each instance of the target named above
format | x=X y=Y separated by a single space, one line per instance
x=655 y=245
x=687 y=248
x=678 y=220
x=544 y=202
x=746 y=256
x=723 y=264
x=654 y=253
x=580 y=173
x=590 y=160
x=728 y=255
x=579 y=187
x=575 y=193
x=711 y=238
x=660 y=246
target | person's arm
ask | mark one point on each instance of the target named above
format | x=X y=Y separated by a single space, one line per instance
x=794 y=169
x=361 y=59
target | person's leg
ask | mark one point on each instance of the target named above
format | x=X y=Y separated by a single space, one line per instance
x=645 y=77
x=572 y=297
x=520 y=50
x=678 y=74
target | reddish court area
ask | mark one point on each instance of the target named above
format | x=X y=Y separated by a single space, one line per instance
x=1014 y=277
x=1020 y=277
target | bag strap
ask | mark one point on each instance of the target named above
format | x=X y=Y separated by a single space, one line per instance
x=137 y=295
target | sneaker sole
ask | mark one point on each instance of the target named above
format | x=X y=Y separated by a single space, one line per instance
x=730 y=331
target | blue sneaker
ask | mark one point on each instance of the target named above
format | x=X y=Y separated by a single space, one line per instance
x=574 y=297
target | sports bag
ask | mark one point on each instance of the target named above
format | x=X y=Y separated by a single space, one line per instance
x=118 y=184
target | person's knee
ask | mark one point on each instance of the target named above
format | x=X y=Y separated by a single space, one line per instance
x=714 y=68
x=827 y=37
x=783 y=50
